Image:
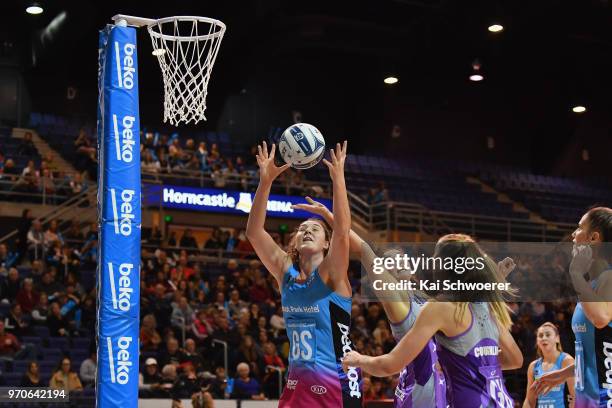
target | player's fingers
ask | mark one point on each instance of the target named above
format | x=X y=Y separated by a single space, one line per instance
x=284 y=167
x=327 y=163
x=265 y=149
x=273 y=150
x=332 y=155
x=310 y=200
x=344 y=145
x=259 y=150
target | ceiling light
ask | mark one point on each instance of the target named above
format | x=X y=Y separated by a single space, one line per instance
x=34 y=8
x=579 y=109
x=496 y=28
x=390 y=80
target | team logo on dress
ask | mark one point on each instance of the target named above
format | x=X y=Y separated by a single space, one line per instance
x=291 y=384
x=318 y=389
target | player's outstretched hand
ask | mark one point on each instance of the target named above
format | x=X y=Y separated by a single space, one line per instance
x=549 y=380
x=315 y=207
x=268 y=171
x=506 y=266
x=336 y=166
x=351 y=359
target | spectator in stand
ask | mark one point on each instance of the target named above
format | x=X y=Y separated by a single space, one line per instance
x=29 y=180
x=168 y=379
x=191 y=357
x=214 y=156
x=7 y=259
x=16 y=323
x=41 y=310
x=272 y=363
x=74 y=232
x=172 y=354
x=243 y=244
x=234 y=304
x=260 y=292
x=214 y=242
x=57 y=324
x=31 y=378
x=10 y=348
x=164 y=164
x=187 y=383
x=160 y=306
x=188 y=240
x=200 y=327
x=218 y=176
x=36 y=241
x=250 y=353
x=149 y=164
x=150 y=380
x=246 y=387
x=64 y=378
x=77 y=184
x=53 y=235
x=27 y=298
x=10 y=172
x=88 y=370
x=193 y=164
x=84 y=146
x=202 y=155
x=149 y=336
x=219 y=384
x=49 y=161
x=47 y=184
x=27 y=148
x=182 y=316
x=172 y=242
x=50 y=286
x=10 y=286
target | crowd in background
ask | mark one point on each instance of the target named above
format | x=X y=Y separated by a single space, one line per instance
x=190 y=309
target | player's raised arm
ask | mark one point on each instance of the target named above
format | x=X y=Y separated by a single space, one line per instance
x=273 y=257
x=396 y=305
x=335 y=265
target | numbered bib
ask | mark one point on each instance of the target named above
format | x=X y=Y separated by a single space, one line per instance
x=303 y=341
x=579 y=367
x=495 y=386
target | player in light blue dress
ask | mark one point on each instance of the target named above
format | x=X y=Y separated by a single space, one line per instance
x=592 y=319
x=315 y=292
x=551 y=358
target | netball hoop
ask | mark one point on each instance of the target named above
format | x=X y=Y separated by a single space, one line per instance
x=186 y=48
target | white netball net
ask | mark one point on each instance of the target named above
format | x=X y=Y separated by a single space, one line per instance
x=186 y=48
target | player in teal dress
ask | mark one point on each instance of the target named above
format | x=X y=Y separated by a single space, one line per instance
x=592 y=319
x=315 y=292
x=550 y=358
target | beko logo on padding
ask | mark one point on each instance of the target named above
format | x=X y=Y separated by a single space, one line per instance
x=121 y=373
x=123 y=301
x=125 y=71
x=123 y=212
x=124 y=142
x=352 y=374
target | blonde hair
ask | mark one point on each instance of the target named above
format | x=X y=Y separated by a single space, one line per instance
x=469 y=248
x=556 y=330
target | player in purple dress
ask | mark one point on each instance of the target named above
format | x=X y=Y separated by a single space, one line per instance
x=474 y=341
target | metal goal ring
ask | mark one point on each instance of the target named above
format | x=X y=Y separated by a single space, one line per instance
x=167 y=37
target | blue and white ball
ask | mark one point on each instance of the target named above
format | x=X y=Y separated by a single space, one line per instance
x=302 y=146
